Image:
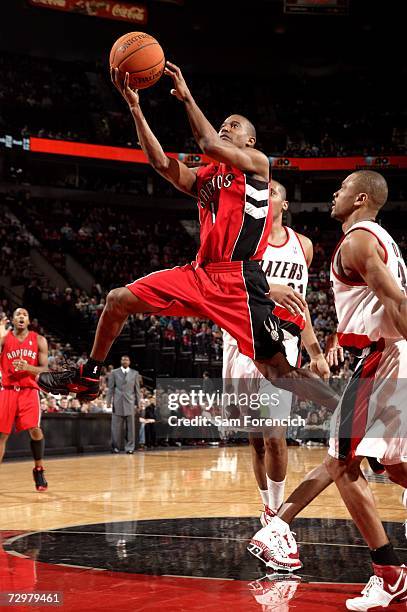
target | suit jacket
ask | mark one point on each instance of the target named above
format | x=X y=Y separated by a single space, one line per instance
x=123 y=391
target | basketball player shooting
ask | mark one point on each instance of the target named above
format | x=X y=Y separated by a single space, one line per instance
x=225 y=283
x=24 y=355
x=285 y=263
x=369 y=283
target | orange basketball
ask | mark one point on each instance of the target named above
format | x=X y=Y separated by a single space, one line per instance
x=141 y=56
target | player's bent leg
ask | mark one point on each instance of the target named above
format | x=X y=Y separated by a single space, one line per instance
x=120 y=303
x=316 y=481
x=84 y=379
x=358 y=498
x=37 y=444
x=3 y=442
x=303 y=383
x=398 y=473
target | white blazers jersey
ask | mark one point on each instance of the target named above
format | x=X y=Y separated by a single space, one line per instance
x=286 y=265
x=362 y=319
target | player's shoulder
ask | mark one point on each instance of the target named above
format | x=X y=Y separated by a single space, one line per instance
x=305 y=241
x=306 y=246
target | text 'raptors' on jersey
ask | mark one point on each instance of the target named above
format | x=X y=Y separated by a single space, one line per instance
x=13 y=349
x=233 y=214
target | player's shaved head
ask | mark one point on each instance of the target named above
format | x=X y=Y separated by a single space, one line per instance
x=281 y=189
x=373 y=184
x=251 y=130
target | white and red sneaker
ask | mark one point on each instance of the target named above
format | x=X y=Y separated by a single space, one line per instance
x=266 y=516
x=274 y=591
x=387 y=585
x=275 y=545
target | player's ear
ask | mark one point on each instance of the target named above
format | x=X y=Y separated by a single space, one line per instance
x=251 y=142
x=361 y=199
x=285 y=205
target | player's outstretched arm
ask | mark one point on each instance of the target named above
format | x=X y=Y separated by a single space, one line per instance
x=248 y=159
x=361 y=254
x=3 y=330
x=177 y=173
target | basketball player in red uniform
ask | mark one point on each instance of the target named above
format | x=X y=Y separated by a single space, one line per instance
x=369 y=280
x=285 y=263
x=225 y=283
x=24 y=355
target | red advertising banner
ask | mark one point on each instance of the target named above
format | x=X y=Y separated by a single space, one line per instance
x=338 y=163
x=122 y=154
x=107 y=9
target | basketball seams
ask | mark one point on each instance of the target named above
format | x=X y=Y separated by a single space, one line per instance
x=135 y=51
x=144 y=69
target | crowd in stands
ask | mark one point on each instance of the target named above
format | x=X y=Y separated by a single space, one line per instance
x=300 y=117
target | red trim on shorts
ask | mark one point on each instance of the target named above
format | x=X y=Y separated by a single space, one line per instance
x=365 y=387
x=359 y=341
x=283 y=314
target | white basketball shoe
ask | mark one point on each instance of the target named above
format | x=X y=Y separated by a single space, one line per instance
x=275 y=545
x=387 y=585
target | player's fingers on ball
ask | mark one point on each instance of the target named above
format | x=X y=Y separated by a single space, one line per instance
x=341 y=355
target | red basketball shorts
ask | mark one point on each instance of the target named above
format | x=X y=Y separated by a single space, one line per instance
x=232 y=294
x=20 y=408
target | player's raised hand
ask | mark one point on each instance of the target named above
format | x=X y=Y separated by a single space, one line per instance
x=3 y=326
x=288 y=298
x=180 y=90
x=122 y=85
x=320 y=367
x=333 y=350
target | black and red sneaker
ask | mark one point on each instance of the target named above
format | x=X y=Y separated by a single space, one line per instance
x=70 y=380
x=375 y=466
x=39 y=479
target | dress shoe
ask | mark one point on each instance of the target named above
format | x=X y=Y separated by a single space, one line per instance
x=130 y=452
x=115 y=450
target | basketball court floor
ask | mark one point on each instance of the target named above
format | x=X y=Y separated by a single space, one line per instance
x=168 y=529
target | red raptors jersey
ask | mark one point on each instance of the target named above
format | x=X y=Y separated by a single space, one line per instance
x=14 y=349
x=234 y=214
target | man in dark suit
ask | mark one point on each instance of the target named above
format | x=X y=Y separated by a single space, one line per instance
x=123 y=395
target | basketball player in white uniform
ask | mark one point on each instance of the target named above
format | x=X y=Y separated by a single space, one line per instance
x=285 y=263
x=369 y=283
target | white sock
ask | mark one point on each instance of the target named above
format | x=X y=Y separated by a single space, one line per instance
x=264 y=497
x=276 y=493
